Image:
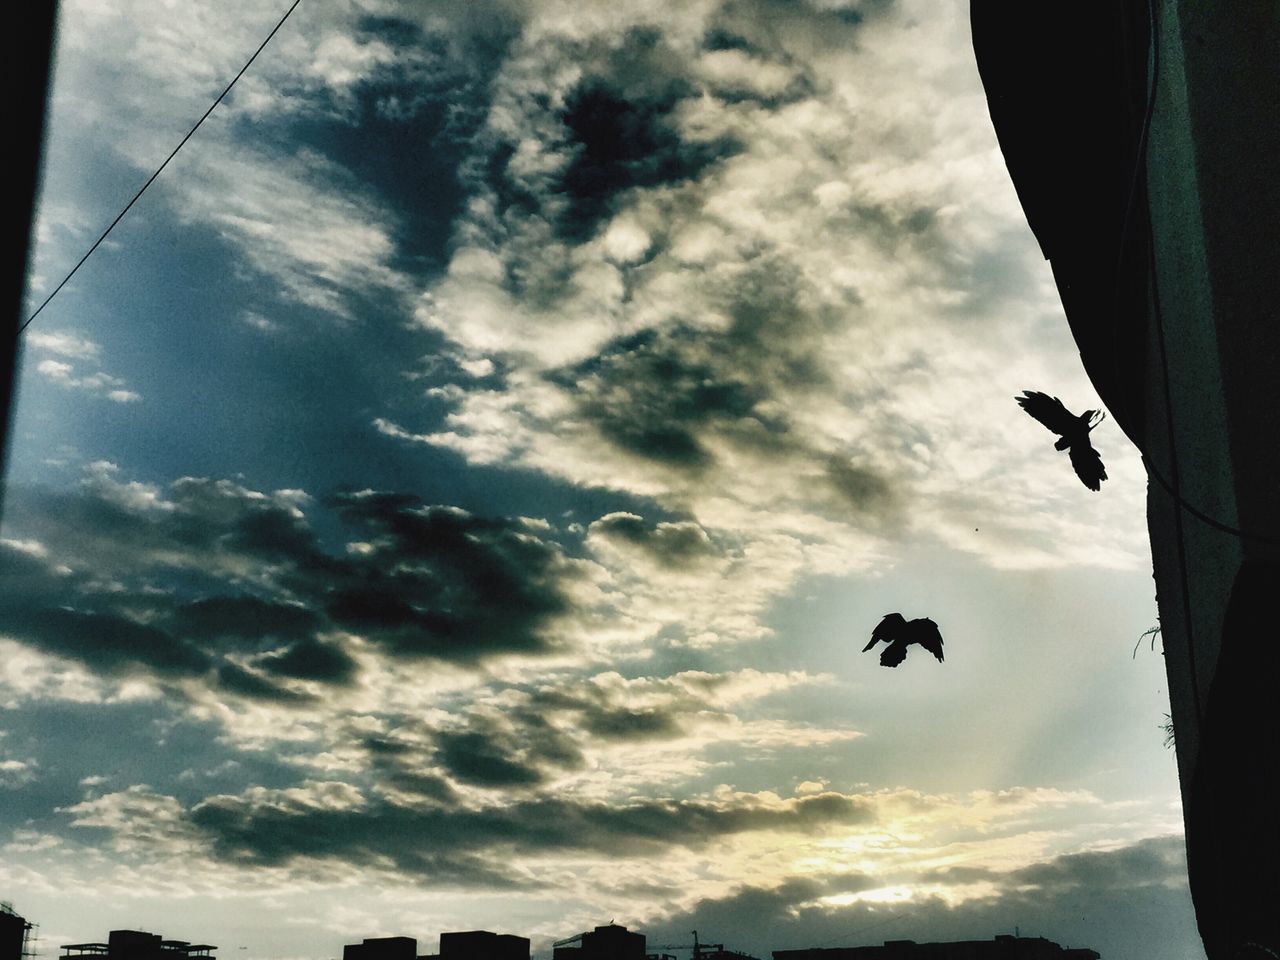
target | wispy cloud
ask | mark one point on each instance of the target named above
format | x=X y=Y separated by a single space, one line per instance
x=67 y=374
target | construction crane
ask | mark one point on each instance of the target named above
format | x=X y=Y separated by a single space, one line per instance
x=698 y=948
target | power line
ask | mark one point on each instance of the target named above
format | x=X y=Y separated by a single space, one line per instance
x=159 y=169
x=863 y=928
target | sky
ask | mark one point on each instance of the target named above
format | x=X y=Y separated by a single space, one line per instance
x=458 y=493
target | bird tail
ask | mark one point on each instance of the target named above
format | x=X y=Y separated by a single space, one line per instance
x=893 y=654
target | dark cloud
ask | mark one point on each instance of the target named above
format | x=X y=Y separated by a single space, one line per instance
x=661 y=392
x=105 y=641
x=444 y=583
x=311 y=659
x=616 y=132
x=424 y=785
x=652 y=393
x=864 y=489
x=123 y=580
x=535 y=739
x=774 y=25
x=673 y=544
x=1154 y=861
x=69 y=615
x=595 y=712
x=243 y=618
x=386 y=747
x=1130 y=902
x=1159 y=860
x=519 y=749
x=255 y=687
x=257 y=830
x=631 y=724
x=476 y=759
x=619 y=143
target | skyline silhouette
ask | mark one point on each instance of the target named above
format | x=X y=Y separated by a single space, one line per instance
x=605 y=942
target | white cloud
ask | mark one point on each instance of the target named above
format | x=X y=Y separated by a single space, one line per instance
x=62 y=344
x=66 y=374
x=888 y=222
x=17 y=773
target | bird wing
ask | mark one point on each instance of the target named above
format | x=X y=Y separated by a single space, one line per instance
x=930 y=637
x=1088 y=464
x=893 y=654
x=1048 y=410
x=888 y=629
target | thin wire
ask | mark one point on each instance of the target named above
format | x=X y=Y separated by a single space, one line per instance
x=159 y=169
x=1201 y=515
x=862 y=928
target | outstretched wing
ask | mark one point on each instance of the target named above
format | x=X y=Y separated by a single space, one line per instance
x=929 y=636
x=1088 y=464
x=1048 y=410
x=888 y=629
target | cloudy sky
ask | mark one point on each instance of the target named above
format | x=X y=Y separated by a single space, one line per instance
x=458 y=494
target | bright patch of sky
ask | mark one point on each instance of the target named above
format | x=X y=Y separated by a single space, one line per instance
x=459 y=493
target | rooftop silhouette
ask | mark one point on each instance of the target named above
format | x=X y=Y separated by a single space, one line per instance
x=138 y=945
x=382 y=948
x=1002 y=947
x=461 y=945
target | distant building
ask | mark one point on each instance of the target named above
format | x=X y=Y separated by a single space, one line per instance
x=483 y=945
x=1003 y=947
x=716 y=951
x=463 y=945
x=14 y=933
x=382 y=948
x=137 y=945
x=610 y=942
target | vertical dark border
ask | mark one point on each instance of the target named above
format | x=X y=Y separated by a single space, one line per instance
x=26 y=56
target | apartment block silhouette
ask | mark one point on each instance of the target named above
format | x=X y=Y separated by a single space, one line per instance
x=459 y=945
x=1003 y=947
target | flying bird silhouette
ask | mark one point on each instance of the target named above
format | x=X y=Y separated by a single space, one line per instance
x=1073 y=433
x=899 y=633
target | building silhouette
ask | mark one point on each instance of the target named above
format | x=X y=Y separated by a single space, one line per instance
x=138 y=945
x=459 y=945
x=483 y=945
x=610 y=942
x=382 y=948
x=1003 y=947
x=15 y=933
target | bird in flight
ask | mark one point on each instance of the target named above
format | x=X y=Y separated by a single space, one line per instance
x=1073 y=433
x=899 y=633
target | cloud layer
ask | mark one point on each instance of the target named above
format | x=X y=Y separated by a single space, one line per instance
x=562 y=391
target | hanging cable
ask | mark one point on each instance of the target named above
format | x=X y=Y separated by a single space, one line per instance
x=151 y=179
